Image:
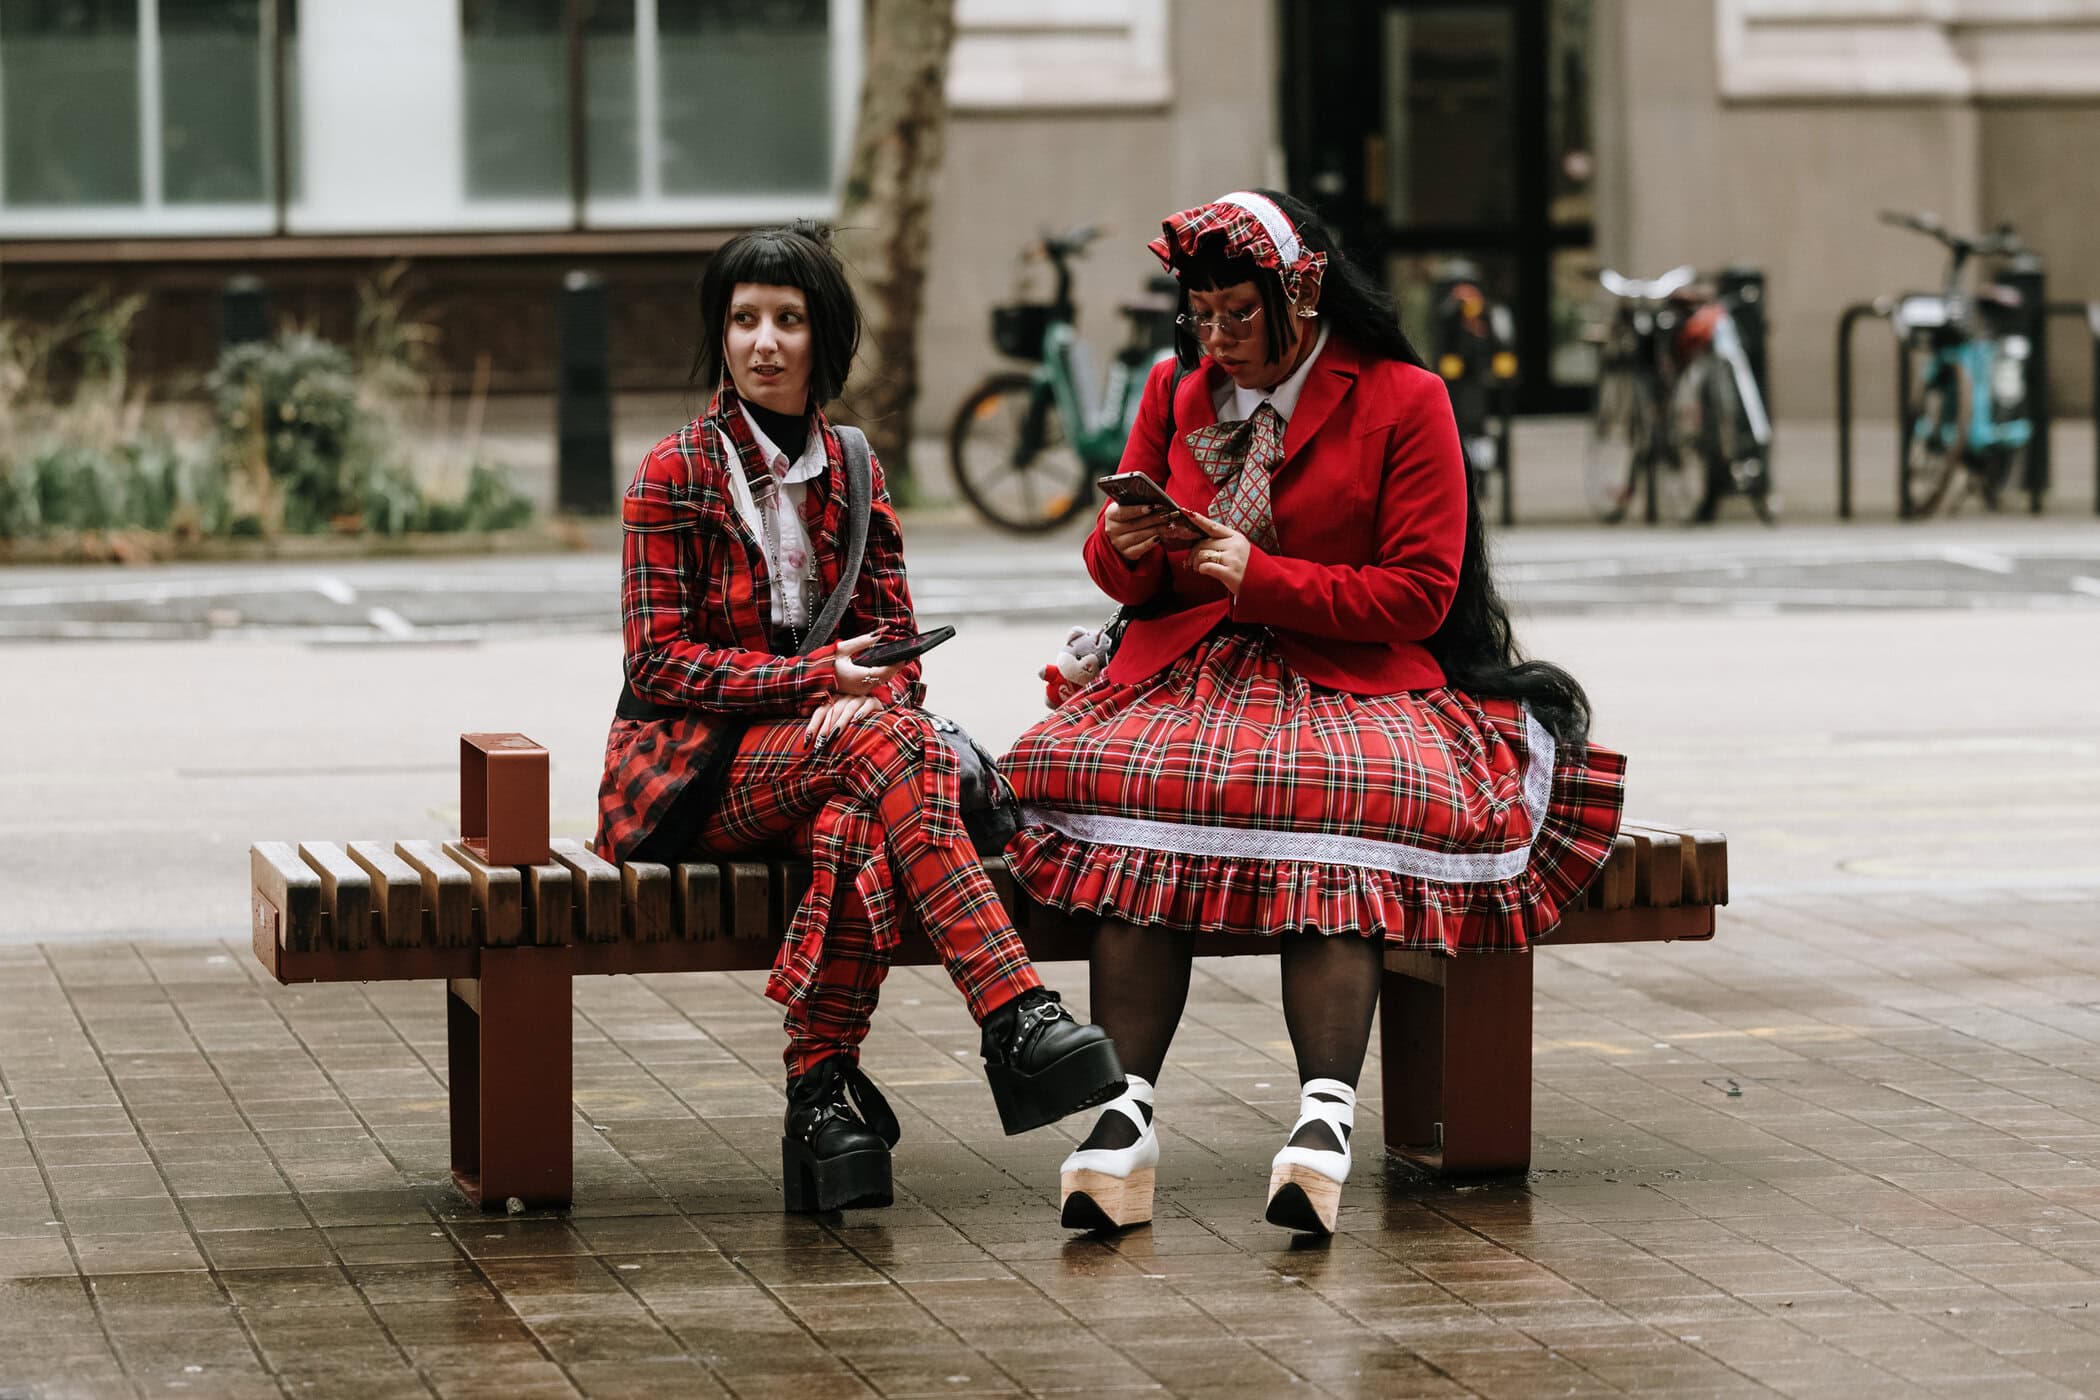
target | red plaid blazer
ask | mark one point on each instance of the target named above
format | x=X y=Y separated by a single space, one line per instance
x=1370 y=524
x=696 y=604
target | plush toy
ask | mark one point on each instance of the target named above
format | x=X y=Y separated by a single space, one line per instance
x=1078 y=662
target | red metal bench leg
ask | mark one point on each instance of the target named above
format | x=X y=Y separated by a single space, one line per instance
x=1455 y=1036
x=511 y=1066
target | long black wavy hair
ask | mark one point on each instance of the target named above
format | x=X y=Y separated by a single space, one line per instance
x=1476 y=645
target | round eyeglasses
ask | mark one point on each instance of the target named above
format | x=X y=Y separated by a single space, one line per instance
x=1233 y=325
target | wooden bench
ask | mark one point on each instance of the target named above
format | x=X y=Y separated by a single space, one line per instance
x=508 y=933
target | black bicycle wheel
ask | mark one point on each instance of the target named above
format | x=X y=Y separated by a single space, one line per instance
x=1932 y=449
x=1686 y=467
x=1620 y=426
x=1007 y=449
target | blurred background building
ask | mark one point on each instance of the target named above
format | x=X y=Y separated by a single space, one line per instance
x=170 y=145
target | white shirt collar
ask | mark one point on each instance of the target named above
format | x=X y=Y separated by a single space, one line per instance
x=1236 y=402
x=810 y=464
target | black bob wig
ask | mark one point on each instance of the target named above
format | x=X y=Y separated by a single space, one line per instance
x=797 y=255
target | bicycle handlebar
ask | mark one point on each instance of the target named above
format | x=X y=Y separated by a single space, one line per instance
x=1059 y=246
x=2003 y=243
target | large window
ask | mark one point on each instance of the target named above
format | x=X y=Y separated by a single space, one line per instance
x=688 y=105
x=132 y=114
x=123 y=118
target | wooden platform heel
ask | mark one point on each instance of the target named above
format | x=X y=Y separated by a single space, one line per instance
x=1305 y=1180
x=1107 y=1183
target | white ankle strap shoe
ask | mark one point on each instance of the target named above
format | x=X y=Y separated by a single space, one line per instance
x=1106 y=1184
x=1305 y=1180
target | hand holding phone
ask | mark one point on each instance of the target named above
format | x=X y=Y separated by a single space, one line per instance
x=1137 y=492
x=903 y=649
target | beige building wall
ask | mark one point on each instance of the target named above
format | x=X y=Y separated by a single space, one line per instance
x=1724 y=140
x=1119 y=151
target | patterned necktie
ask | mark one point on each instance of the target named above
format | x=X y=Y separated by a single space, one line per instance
x=1241 y=457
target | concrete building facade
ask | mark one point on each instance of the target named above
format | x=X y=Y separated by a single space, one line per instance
x=171 y=144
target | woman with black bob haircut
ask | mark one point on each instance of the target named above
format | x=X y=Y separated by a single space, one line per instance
x=743 y=727
x=1317 y=725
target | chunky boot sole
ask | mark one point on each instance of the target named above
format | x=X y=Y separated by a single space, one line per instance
x=1098 y=1201
x=1302 y=1199
x=1085 y=1078
x=850 y=1181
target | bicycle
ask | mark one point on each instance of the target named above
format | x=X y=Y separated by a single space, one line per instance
x=1965 y=422
x=1679 y=422
x=1026 y=446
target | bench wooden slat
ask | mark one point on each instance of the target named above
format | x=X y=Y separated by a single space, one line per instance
x=448 y=894
x=397 y=893
x=1710 y=866
x=749 y=904
x=293 y=892
x=597 y=890
x=346 y=895
x=499 y=897
x=1658 y=872
x=699 y=902
x=1614 y=887
x=647 y=914
x=550 y=902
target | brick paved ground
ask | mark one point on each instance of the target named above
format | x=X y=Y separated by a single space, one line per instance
x=1845 y=1150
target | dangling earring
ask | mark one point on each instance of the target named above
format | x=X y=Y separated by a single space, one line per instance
x=1306 y=313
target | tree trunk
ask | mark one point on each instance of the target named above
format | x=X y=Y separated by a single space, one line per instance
x=884 y=224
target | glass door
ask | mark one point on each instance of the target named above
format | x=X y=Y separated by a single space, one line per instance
x=1449 y=137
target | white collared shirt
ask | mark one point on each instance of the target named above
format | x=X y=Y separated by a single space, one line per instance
x=777 y=521
x=1233 y=403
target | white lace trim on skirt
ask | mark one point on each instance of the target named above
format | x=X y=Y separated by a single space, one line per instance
x=1250 y=843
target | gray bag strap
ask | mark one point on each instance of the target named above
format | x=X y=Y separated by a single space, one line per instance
x=860 y=503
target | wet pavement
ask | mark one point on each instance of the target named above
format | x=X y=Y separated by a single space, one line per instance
x=959 y=572
x=1850 y=1149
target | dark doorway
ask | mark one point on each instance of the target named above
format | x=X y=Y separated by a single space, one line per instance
x=1432 y=130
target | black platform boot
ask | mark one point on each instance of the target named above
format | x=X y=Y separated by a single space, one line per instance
x=835 y=1146
x=1043 y=1064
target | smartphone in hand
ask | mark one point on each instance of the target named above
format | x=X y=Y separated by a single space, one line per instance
x=903 y=649
x=1137 y=491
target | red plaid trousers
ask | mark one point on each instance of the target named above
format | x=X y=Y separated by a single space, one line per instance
x=879 y=815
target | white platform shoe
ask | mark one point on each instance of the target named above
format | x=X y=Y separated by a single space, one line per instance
x=1107 y=1183
x=1305 y=1181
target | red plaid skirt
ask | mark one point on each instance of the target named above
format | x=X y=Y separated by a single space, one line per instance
x=1228 y=794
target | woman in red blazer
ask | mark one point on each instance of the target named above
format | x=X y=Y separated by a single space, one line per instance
x=1316 y=725
x=732 y=735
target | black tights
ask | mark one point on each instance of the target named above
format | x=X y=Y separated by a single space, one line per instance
x=1140 y=983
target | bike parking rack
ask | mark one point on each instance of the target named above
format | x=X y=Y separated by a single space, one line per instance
x=1884 y=309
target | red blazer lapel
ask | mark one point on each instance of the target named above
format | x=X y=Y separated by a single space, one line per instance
x=1329 y=379
x=1194 y=405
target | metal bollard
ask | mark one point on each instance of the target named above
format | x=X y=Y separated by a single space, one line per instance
x=244 y=312
x=583 y=405
x=2025 y=274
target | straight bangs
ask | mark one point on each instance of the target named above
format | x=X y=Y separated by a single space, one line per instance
x=1211 y=269
x=798 y=256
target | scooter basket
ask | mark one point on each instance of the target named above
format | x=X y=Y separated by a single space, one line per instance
x=1018 y=329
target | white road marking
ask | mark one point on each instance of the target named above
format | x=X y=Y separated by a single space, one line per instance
x=335 y=590
x=391 y=622
x=1982 y=559
x=2081 y=583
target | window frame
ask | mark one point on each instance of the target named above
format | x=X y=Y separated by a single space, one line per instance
x=153 y=215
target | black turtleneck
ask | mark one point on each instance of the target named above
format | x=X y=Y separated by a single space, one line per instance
x=789 y=431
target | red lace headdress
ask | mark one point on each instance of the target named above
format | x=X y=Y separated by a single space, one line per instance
x=1254 y=227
